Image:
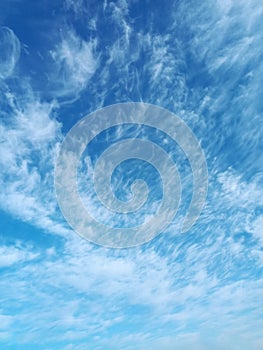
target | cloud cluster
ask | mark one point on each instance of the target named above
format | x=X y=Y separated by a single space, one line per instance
x=75 y=63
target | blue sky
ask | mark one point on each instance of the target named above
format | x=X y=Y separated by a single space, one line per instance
x=61 y=60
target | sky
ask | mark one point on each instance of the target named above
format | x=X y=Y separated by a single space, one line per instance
x=200 y=289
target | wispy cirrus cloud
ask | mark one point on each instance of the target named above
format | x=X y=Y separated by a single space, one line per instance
x=10 y=255
x=75 y=62
x=30 y=137
x=174 y=295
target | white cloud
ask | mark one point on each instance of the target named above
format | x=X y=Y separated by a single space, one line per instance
x=239 y=193
x=30 y=139
x=256 y=228
x=10 y=255
x=75 y=63
x=85 y=291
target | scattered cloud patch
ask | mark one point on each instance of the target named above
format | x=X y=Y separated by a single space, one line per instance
x=10 y=255
x=75 y=63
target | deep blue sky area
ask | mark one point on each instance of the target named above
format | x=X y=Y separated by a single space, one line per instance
x=199 y=290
